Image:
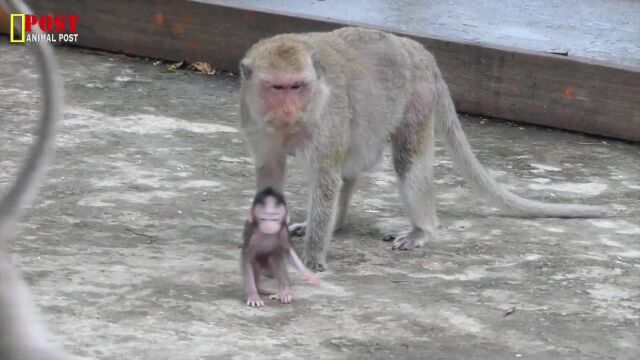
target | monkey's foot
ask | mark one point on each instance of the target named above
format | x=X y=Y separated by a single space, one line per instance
x=254 y=300
x=298 y=229
x=341 y=223
x=407 y=241
x=285 y=296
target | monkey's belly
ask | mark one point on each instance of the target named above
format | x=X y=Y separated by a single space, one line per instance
x=360 y=161
x=263 y=262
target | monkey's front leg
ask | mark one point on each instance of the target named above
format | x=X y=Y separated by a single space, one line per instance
x=321 y=219
x=270 y=166
x=250 y=288
x=311 y=277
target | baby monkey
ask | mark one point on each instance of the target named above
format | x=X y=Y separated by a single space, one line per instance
x=266 y=245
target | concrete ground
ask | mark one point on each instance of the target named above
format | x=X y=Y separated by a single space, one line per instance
x=603 y=30
x=132 y=246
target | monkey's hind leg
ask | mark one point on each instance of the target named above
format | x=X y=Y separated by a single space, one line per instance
x=348 y=185
x=279 y=270
x=413 y=157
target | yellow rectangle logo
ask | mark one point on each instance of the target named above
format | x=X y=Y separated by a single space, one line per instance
x=23 y=37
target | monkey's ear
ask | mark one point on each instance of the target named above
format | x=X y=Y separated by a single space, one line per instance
x=245 y=68
x=317 y=65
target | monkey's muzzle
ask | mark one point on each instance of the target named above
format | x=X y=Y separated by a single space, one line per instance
x=270 y=225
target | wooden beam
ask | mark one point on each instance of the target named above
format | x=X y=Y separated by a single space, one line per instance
x=508 y=83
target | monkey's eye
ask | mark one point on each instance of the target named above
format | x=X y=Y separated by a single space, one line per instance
x=277 y=87
x=296 y=86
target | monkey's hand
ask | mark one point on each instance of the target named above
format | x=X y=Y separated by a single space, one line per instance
x=314 y=264
x=298 y=229
x=254 y=300
x=312 y=278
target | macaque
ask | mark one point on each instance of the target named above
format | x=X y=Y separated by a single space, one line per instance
x=22 y=334
x=335 y=100
x=266 y=245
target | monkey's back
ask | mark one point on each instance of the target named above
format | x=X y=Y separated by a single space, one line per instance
x=393 y=61
x=380 y=73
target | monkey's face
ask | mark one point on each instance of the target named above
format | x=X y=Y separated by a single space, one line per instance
x=279 y=79
x=270 y=215
x=283 y=98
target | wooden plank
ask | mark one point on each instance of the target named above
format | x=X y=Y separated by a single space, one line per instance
x=564 y=92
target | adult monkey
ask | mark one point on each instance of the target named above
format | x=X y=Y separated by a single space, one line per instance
x=336 y=99
x=22 y=335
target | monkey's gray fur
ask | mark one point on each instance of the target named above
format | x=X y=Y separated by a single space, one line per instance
x=22 y=335
x=368 y=88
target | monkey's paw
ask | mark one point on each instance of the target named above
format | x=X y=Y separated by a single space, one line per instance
x=254 y=300
x=312 y=278
x=314 y=264
x=407 y=241
x=285 y=296
x=298 y=229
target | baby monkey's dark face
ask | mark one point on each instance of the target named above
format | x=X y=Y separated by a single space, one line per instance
x=270 y=215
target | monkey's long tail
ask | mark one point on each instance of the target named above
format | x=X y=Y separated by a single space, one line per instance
x=28 y=179
x=22 y=334
x=448 y=125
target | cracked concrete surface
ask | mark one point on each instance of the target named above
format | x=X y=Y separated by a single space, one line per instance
x=132 y=245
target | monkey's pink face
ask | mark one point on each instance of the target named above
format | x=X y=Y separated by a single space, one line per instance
x=270 y=216
x=284 y=98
